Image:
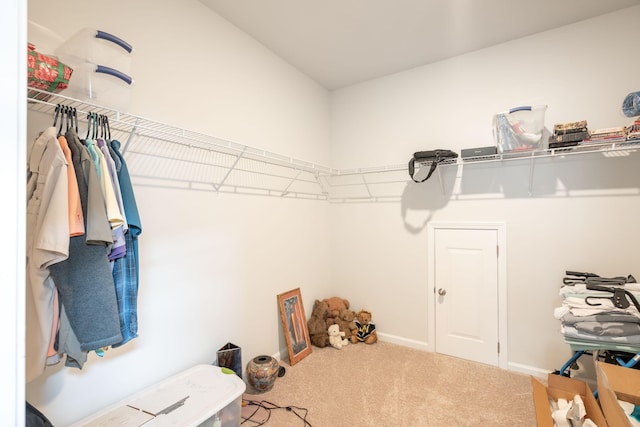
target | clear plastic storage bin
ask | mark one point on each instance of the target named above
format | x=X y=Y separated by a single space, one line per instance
x=101 y=85
x=97 y=47
x=519 y=129
x=203 y=396
x=102 y=64
x=45 y=40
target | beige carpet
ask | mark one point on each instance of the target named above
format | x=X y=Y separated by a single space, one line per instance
x=390 y=385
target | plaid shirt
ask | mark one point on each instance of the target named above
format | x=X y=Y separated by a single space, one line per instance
x=126 y=269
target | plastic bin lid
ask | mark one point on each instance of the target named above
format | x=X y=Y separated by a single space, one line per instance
x=45 y=40
x=185 y=399
x=191 y=396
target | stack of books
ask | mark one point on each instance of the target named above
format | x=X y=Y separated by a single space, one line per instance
x=633 y=131
x=569 y=134
x=608 y=135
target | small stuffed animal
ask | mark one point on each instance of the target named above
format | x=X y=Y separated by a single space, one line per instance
x=347 y=323
x=366 y=331
x=336 y=337
x=317 y=324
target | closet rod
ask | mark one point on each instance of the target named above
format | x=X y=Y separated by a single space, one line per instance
x=360 y=171
x=360 y=183
x=155 y=181
x=221 y=166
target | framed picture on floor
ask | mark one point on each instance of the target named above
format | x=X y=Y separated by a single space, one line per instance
x=294 y=324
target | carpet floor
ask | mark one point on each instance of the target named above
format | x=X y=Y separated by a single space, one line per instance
x=387 y=385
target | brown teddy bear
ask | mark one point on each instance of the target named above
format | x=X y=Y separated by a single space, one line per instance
x=317 y=324
x=347 y=323
x=336 y=305
x=366 y=331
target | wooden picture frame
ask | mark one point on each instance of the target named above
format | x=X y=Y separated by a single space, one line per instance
x=294 y=324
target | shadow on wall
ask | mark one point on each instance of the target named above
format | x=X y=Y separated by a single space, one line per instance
x=611 y=173
x=420 y=200
x=600 y=174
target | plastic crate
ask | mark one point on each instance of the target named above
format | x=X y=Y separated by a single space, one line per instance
x=203 y=396
x=519 y=129
x=101 y=85
x=97 y=47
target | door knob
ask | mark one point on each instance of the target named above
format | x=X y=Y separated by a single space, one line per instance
x=442 y=292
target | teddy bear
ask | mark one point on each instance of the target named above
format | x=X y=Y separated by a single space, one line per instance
x=347 y=323
x=366 y=331
x=336 y=337
x=317 y=324
x=336 y=304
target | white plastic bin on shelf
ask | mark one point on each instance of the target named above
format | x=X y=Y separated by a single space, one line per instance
x=519 y=129
x=203 y=396
x=101 y=85
x=97 y=47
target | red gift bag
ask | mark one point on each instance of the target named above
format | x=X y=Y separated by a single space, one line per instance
x=46 y=72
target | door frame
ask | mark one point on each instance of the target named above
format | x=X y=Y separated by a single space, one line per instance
x=14 y=161
x=501 y=231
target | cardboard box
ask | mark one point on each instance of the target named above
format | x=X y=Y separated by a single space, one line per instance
x=563 y=387
x=617 y=383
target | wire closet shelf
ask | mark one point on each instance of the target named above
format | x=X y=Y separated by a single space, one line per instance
x=162 y=155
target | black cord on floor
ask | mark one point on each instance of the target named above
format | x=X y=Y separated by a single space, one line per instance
x=268 y=406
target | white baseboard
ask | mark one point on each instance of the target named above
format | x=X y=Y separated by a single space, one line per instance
x=424 y=346
x=529 y=370
x=394 y=339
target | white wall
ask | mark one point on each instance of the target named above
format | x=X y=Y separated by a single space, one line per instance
x=581 y=215
x=13 y=121
x=211 y=264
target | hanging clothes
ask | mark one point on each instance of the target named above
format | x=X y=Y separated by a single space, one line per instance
x=47 y=243
x=113 y=212
x=98 y=231
x=126 y=269
x=84 y=281
x=53 y=356
x=97 y=226
x=68 y=343
x=82 y=248
x=113 y=164
x=76 y=228
x=118 y=250
x=76 y=218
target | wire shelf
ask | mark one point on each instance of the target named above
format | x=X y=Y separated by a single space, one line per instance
x=159 y=154
x=163 y=155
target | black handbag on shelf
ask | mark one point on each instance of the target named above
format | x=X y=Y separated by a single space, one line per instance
x=433 y=156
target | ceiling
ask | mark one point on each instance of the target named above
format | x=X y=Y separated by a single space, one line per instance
x=342 y=42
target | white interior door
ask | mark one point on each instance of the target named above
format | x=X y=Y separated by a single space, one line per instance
x=466 y=294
